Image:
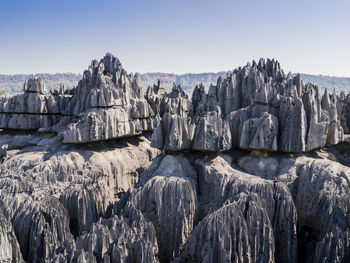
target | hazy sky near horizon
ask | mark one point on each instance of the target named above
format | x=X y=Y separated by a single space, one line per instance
x=179 y=36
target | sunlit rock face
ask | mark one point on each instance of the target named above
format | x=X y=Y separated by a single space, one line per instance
x=33 y=109
x=257 y=107
x=107 y=103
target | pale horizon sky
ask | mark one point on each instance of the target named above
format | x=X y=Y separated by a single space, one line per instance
x=174 y=36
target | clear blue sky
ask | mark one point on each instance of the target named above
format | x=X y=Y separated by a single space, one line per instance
x=174 y=36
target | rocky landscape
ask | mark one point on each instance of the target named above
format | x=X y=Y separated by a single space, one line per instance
x=255 y=169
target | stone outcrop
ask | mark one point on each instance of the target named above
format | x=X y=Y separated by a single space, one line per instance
x=168 y=199
x=3 y=150
x=51 y=192
x=33 y=109
x=35 y=85
x=128 y=238
x=343 y=110
x=264 y=109
x=9 y=248
x=174 y=127
x=107 y=103
x=123 y=200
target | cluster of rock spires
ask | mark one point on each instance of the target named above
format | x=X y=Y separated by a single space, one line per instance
x=107 y=103
x=255 y=107
x=122 y=200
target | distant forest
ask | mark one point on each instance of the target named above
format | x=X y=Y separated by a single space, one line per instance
x=14 y=83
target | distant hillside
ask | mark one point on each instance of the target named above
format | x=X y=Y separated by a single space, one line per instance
x=340 y=84
x=187 y=81
x=14 y=83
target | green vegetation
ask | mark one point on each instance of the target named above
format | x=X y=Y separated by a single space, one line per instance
x=14 y=83
x=2 y=92
x=49 y=135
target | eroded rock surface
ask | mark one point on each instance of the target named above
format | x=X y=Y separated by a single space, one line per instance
x=265 y=110
x=77 y=194
x=107 y=103
x=52 y=192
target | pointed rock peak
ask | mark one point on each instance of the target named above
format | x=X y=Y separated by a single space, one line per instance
x=159 y=88
x=177 y=92
x=198 y=92
x=219 y=80
x=254 y=63
x=342 y=95
x=261 y=95
x=199 y=87
x=294 y=92
x=261 y=63
x=325 y=102
x=325 y=92
x=297 y=79
x=334 y=96
x=111 y=63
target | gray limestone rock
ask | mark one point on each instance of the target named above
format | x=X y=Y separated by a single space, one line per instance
x=265 y=110
x=9 y=248
x=3 y=150
x=293 y=125
x=108 y=103
x=51 y=193
x=128 y=238
x=154 y=96
x=35 y=85
x=169 y=200
x=231 y=234
x=260 y=133
x=212 y=132
x=173 y=133
x=237 y=208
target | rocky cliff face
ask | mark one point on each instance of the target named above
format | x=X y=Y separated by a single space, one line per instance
x=219 y=188
x=33 y=109
x=124 y=201
x=107 y=103
x=256 y=107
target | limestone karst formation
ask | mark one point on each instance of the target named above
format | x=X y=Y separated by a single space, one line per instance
x=107 y=103
x=256 y=169
x=255 y=107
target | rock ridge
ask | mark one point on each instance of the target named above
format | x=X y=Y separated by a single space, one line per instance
x=256 y=107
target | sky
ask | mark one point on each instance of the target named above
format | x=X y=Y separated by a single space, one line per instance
x=179 y=36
